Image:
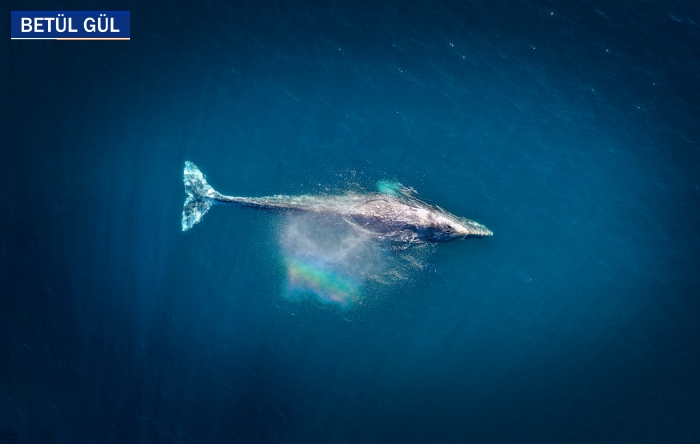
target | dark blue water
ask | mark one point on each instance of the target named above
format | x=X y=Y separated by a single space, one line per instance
x=570 y=130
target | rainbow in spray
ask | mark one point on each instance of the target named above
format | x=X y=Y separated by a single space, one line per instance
x=327 y=260
x=322 y=281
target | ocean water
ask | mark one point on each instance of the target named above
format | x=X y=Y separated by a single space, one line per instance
x=569 y=129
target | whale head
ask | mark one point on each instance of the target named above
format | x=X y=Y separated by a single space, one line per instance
x=412 y=220
x=446 y=227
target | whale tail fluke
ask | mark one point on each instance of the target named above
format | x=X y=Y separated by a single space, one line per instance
x=200 y=196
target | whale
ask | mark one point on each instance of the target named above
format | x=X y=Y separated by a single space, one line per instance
x=393 y=213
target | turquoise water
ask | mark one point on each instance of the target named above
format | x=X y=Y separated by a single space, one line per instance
x=570 y=131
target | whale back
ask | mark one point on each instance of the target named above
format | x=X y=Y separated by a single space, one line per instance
x=387 y=215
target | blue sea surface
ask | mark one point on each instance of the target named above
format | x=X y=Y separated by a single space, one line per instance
x=570 y=130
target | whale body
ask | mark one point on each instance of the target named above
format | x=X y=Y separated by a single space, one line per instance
x=394 y=213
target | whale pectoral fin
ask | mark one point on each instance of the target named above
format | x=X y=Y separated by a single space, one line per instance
x=389 y=187
x=395 y=189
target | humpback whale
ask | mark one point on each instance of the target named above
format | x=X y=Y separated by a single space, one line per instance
x=392 y=213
